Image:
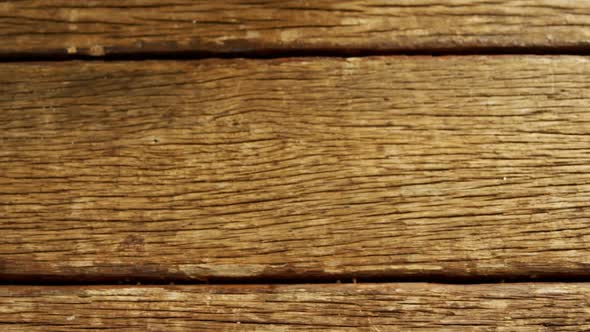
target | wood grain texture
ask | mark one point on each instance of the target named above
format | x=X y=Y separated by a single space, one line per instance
x=96 y=28
x=370 y=307
x=391 y=167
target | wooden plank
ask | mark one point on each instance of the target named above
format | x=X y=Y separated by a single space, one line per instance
x=99 y=27
x=368 y=307
x=391 y=167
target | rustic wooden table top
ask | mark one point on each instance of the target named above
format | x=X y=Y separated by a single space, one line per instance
x=244 y=165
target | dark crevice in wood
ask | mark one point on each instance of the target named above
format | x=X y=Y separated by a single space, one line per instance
x=274 y=54
x=292 y=280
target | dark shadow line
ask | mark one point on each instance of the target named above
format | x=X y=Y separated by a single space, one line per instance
x=280 y=53
x=75 y=280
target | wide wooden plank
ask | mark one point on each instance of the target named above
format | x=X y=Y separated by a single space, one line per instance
x=368 y=307
x=393 y=166
x=99 y=27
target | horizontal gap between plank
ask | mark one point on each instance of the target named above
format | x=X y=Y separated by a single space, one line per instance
x=80 y=281
x=273 y=54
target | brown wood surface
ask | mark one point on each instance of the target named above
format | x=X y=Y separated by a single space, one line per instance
x=370 y=307
x=70 y=27
x=393 y=166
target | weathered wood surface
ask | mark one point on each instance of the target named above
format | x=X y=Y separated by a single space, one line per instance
x=96 y=28
x=370 y=307
x=393 y=166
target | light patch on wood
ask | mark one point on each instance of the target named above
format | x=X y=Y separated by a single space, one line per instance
x=252 y=34
x=222 y=270
x=73 y=15
x=289 y=35
x=96 y=50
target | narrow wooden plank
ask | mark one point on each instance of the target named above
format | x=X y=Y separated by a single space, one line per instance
x=394 y=166
x=99 y=27
x=368 y=307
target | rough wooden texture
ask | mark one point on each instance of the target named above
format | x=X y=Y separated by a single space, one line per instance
x=371 y=307
x=96 y=28
x=394 y=166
